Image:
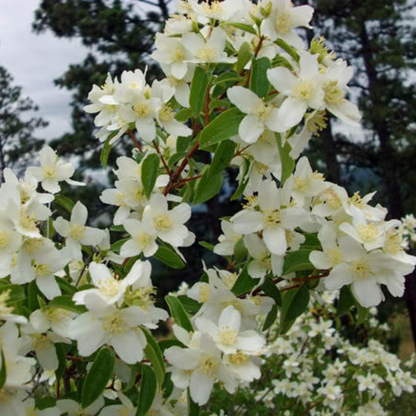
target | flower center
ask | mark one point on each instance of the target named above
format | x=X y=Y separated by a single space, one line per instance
x=283 y=23
x=361 y=269
x=303 y=90
x=49 y=172
x=273 y=218
x=238 y=358
x=331 y=198
x=333 y=93
x=177 y=54
x=42 y=270
x=141 y=110
x=108 y=287
x=114 y=324
x=56 y=315
x=204 y=292
x=357 y=200
x=40 y=342
x=393 y=243
x=33 y=244
x=4 y=298
x=214 y=8
x=208 y=366
x=228 y=336
x=301 y=184
x=165 y=113
x=207 y=53
x=368 y=232
x=335 y=255
x=143 y=240
x=4 y=239
x=77 y=231
x=28 y=222
x=163 y=222
x=317 y=122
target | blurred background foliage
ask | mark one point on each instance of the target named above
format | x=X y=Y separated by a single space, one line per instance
x=376 y=37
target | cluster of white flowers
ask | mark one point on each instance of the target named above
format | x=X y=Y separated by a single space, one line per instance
x=78 y=307
x=407 y=230
x=315 y=368
x=358 y=247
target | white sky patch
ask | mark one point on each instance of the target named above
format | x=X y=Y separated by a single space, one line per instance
x=35 y=61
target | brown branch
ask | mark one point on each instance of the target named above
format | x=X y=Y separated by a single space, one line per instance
x=241 y=150
x=162 y=158
x=193 y=178
x=136 y=142
x=178 y=172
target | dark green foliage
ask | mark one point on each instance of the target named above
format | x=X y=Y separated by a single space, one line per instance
x=17 y=132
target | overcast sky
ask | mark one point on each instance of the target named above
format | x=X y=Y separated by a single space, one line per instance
x=35 y=61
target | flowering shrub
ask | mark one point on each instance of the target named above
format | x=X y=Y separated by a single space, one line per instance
x=78 y=311
x=315 y=369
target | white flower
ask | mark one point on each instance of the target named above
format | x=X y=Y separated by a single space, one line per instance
x=110 y=289
x=168 y=224
x=260 y=115
x=76 y=233
x=227 y=335
x=52 y=171
x=207 y=50
x=366 y=272
x=108 y=325
x=203 y=367
x=283 y=19
x=227 y=241
x=303 y=91
x=143 y=239
x=274 y=217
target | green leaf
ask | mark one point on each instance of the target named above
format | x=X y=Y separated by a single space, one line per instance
x=178 y=313
x=226 y=77
x=281 y=61
x=244 y=283
x=118 y=228
x=346 y=301
x=191 y=306
x=65 y=286
x=297 y=261
x=270 y=289
x=98 y=376
x=184 y=115
x=288 y=49
x=61 y=352
x=105 y=153
x=240 y=251
x=243 y=181
x=66 y=302
x=258 y=81
x=221 y=128
x=288 y=163
x=207 y=187
x=206 y=245
x=148 y=387
x=222 y=157
x=362 y=312
x=270 y=318
x=244 y=27
x=116 y=246
x=295 y=302
x=167 y=256
x=155 y=356
x=311 y=242
x=16 y=293
x=244 y=56
x=198 y=90
x=64 y=202
x=150 y=169
x=3 y=370
x=32 y=293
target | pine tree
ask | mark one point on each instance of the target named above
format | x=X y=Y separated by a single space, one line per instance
x=17 y=132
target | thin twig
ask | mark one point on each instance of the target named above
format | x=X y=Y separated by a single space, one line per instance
x=136 y=142
x=169 y=172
